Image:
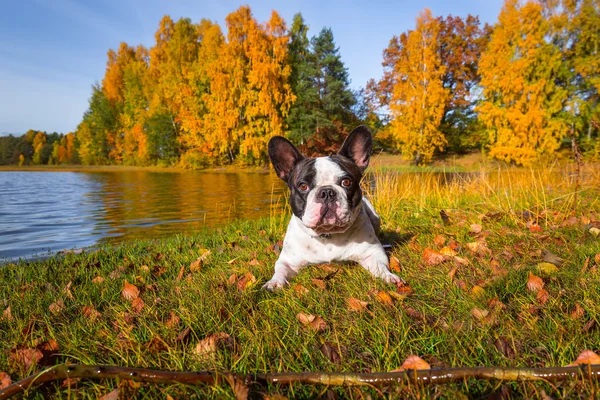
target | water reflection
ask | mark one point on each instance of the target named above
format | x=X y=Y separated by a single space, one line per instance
x=44 y=212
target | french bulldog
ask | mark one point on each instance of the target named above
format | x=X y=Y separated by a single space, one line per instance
x=331 y=220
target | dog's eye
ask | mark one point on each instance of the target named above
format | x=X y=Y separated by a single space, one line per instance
x=303 y=187
x=346 y=182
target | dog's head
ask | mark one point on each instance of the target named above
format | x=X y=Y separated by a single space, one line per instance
x=325 y=191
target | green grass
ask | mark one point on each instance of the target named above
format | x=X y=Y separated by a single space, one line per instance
x=435 y=321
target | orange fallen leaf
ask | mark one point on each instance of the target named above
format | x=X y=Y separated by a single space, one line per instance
x=395 y=264
x=460 y=261
x=315 y=323
x=432 y=257
x=384 y=298
x=413 y=362
x=26 y=357
x=173 y=320
x=196 y=265
x=90 y=313
x=137 y=304
x=320 y=283
x=357 y=305
x=232 y=279
x=246 y=281
x=56 y=307
x=130 y=292
x=542 y=296
x=452 y=273
x=535 y=228
x=586 y=357
x=578 y=312
x=439 y=240
x=299 y=289
x=254 y=262
x=479 y=313
x=4 y=380
x=534 y=283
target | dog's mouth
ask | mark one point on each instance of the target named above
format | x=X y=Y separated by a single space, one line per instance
x=330 y=220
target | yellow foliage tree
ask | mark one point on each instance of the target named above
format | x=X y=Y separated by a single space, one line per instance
x=418 y=97
x=521 y=99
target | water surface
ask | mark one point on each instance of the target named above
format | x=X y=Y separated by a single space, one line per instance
x=46 y=212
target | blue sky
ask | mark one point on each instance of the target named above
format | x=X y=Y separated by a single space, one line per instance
x=52 y=51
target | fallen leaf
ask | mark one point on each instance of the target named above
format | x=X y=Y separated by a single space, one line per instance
x=196 y=265
x=4 y=380
x=401 y=295
x=246 y=281
x=67 y=290
x=447 y=251
x=395 y=264
x=254 y=262
x=415 y=362
x=586 y=357
x=7 y=314
x=479 y=313
x=299 y=289
x=384 y=298
x=597 y=258
x=90 y=313
x=114 y=395
x=173 y=320
x=56 y=307
x=432 y=257
x=183 y=335
x=320 y=283
x=180 y=274
x=578 y=312
x=547 y=268
x=589 y=325
x=542 y=296
x=315 y=323
x=477 y=291
x=232 y=279
x=439 y=240
x=535 y=228
x=329 y=351
x=534 y=283
x=98 y=280
x=480 y=248
x=504 y=347
x=49 y=345
x=594 y=231
x=357 y=305
x=137 y=304
x=452 y=273
x=210 y=344
x=475 y=228
x=26 y=357
x=130 y=292
x=460 y=261
x=240 y=389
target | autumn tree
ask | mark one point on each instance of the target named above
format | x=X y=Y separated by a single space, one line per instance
x=418 y=98
x=94 y=132
x=522 y=99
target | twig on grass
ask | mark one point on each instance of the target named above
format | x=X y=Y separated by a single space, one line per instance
x=424 y=377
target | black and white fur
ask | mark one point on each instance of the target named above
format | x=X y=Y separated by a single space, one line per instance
x=332 y=221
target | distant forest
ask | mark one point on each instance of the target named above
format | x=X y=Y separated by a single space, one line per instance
x=204 y=96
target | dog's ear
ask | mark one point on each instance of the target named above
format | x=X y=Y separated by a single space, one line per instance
x=284 y=156
x=357 y=146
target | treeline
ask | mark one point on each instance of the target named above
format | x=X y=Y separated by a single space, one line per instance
x=200 y=96
x=517 y=89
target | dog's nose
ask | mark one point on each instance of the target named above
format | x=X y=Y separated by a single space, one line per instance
x=326 y=193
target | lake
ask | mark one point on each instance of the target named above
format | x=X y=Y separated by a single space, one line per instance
x=46 y=212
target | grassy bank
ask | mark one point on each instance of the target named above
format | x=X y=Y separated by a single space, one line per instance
x=486 y=287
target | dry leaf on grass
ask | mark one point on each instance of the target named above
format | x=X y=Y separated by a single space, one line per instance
x=477 y=291
x=439 y=240
x=7 y=314
x=384 y=298
x=586 y=357
x=578 y=312
x=210 y=344
x=534 y=283
x=432 y=257
x=130 y=292
x=395 y=264
x=413 y=362
x=320 y=283
x=299 y=289
x=547 y=268
x=330 y=352
x=479 y=313
x=542 y=296
x=357 y=305
x=313 y=322
x=56 y=307
x=90 y=313
x=137 y=304
x=173 y=320
x=475 y=228
x=246 y=281
x=4 y=380
x=26 y=357
x=447 y=251
x=114 y=395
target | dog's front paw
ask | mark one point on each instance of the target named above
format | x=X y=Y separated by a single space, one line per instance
x=393 y=279
x=273 y=286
